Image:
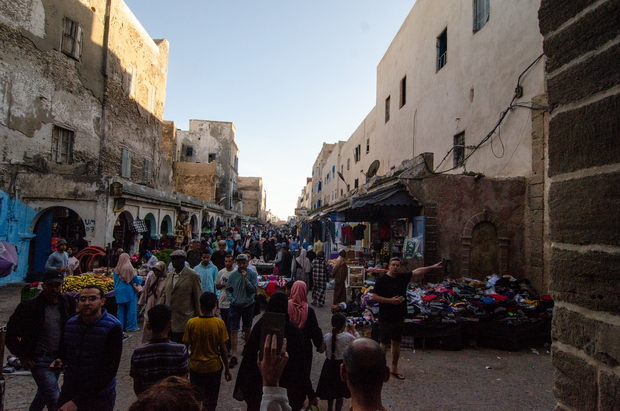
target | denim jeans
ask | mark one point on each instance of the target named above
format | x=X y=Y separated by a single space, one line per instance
x=48 y=390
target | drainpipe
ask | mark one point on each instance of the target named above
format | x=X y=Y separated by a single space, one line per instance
x=102 y=141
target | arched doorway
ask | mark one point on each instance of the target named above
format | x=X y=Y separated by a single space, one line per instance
x=484 y=252
x=484 y=246
x=150 y=237
x=123 y=233
x=52 y=224
x=194 y=224
x=166 y=232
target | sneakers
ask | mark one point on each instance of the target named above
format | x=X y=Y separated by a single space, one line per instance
x=125 y=336
x=233 y=362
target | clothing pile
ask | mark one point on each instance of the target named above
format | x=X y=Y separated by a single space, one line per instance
x=501 y=299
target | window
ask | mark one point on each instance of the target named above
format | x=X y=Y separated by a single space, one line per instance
x=459 y=150
x=356 y=183
x=442 y=49
x=71 y=43
x=125 y=163
x=481 y=13
x=387 y=109
x=212 y=157
x=403 y=91
x=341 y=168
x=151 y=101
x=348 y=163
x=236 y=164
x=148 y=165
x=132 y=80
x=318 y=189
x=62 y=145
x=367 y=146
x=333 y=171
x=189 y=151
x=357 y=153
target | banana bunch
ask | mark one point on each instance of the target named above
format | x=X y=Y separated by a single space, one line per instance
x=75 y=283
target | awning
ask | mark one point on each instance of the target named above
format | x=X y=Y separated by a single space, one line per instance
x=392 y=195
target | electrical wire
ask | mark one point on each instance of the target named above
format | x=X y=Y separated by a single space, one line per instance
x=502 y=116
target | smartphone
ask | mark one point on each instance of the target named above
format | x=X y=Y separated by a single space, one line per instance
x=273 y=323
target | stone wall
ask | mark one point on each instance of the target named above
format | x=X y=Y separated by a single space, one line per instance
x=455 y=204
x=196 y=179
x=251 y=189
x=582 y=42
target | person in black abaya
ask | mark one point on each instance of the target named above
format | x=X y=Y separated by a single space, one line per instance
x=295 y=377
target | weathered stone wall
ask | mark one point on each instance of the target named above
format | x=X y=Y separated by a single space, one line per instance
x=251 y=189
x=582 y=42
x=196 y=179
x=451 y=204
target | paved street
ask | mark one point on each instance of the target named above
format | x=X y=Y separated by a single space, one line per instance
x=447 y=380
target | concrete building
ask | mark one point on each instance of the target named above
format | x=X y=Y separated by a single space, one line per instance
x=253 y=197
x=581 y=197
x=453 y=107
x=82 y=90
x=208 y=142
x=317 y=173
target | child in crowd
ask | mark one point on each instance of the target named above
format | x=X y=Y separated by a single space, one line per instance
x=160 y=358
x=331 y=387
x=206 y=337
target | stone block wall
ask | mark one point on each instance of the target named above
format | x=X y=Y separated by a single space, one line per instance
x=582 y=44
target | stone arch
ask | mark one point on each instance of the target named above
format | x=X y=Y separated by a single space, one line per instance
x=502 y=241
x=194 y=224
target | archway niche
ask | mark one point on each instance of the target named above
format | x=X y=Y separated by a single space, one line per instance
x=484 y=247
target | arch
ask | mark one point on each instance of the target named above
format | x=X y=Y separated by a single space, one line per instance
x=194 y=224
x=166 y=227
x=467 y=237
x=123 y=232
x=49 y=225
x=151 y=224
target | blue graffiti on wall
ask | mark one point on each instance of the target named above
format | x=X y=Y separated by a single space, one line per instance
x=15 y=223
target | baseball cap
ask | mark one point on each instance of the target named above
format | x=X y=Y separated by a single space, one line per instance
x=61 y=242
x=242 y=257
x=53 y=277
x=278 y=245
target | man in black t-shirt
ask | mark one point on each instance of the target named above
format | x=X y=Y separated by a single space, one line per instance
x=390 y=292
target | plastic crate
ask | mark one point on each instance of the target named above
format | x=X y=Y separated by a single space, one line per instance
x=28 y=293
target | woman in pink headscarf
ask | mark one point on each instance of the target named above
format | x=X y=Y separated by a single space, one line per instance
x=124 y=278
x=303 y=316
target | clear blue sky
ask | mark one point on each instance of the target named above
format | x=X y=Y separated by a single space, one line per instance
x=289 y=74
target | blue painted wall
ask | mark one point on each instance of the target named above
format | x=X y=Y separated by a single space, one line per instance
x=15 y=222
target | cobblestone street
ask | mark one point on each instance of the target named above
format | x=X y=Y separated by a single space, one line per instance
x=435 y=379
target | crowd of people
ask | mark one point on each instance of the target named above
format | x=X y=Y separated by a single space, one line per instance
x=195 y=309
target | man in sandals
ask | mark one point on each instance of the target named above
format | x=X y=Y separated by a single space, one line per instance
x=390 y=292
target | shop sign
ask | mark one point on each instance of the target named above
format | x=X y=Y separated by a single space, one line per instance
x=116 y=189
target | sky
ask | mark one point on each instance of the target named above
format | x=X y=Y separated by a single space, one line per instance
x=290 y=75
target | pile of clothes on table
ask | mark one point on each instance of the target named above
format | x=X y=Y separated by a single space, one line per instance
x=272 y=283
x=503 y=299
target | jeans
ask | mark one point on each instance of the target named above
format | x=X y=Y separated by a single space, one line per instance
x=48 y=390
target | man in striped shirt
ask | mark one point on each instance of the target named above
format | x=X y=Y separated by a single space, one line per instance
x=160 y=358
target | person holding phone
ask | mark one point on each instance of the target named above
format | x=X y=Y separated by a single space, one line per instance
x=390 y=292
x=295 y=377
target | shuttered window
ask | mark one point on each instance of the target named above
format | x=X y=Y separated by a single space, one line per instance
x=126 y=163
x=147 y=170
x=71 y=43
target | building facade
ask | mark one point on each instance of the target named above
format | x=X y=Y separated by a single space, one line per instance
x=452 y=101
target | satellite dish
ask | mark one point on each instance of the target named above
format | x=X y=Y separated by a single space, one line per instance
x=372 y=170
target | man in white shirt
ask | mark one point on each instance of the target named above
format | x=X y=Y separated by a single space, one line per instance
x=220 y=285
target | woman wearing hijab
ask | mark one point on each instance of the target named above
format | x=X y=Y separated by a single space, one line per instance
x=124 y=278
x=304 y=318
x=303 y=267
x=153 y=286
x=295 y=377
